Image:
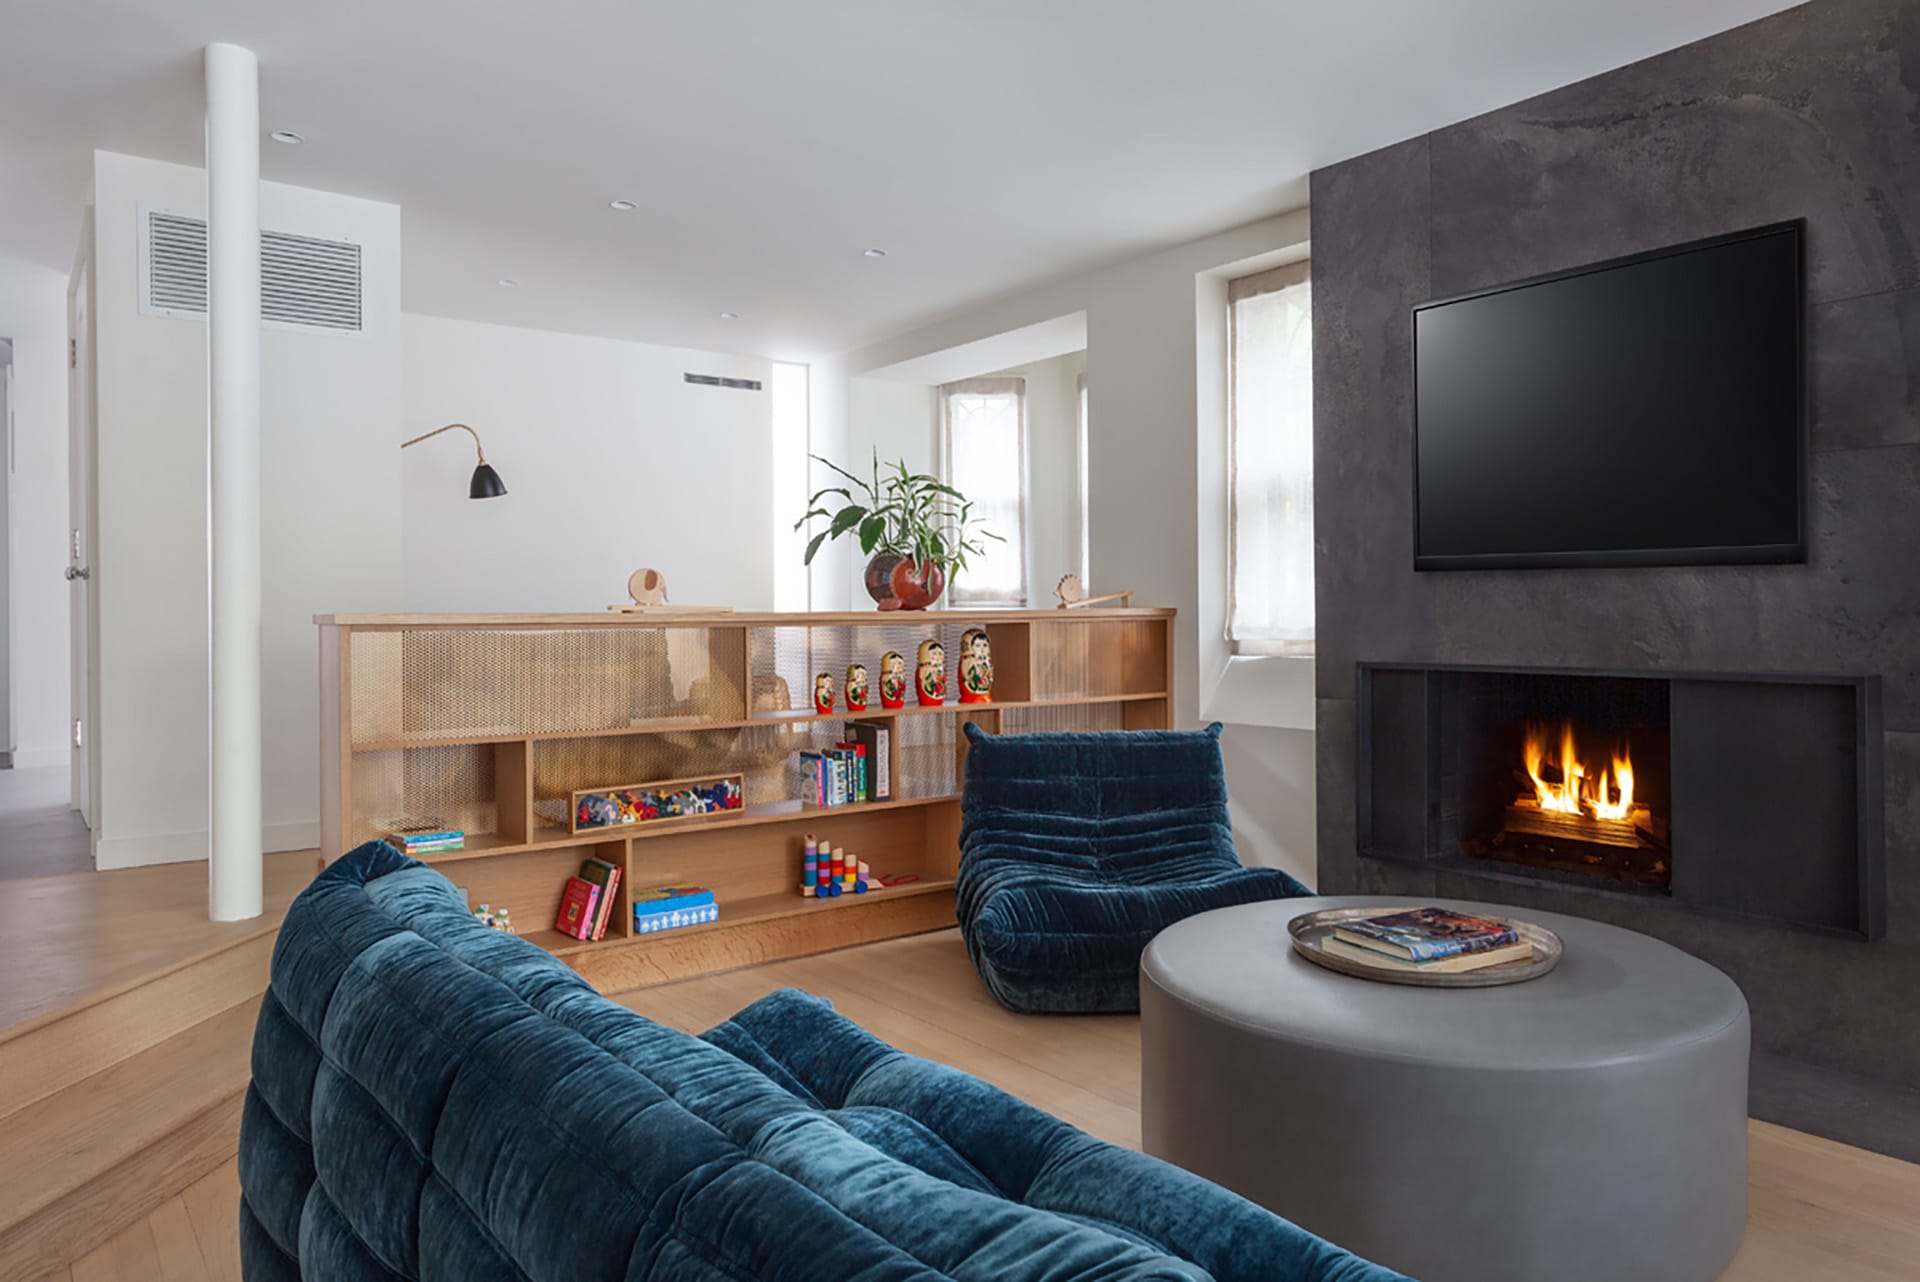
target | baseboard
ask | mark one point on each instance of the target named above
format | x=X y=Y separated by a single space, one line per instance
x=111 y=853
x=1880 y=1116
x=304 y=835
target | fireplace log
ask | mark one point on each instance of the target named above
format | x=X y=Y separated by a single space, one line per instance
x=1526 y=816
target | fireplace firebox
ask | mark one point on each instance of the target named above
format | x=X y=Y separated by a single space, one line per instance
x=1559 y=774
x=1751 y=795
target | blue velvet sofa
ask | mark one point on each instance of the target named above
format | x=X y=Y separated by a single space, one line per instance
x=1077 y=849
x=434 y=1100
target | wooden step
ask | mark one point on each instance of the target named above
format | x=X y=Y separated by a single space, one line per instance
x=46 y=1055
x=105 y=1151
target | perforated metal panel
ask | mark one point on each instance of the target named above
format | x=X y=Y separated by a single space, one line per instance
x=450 y=787
x=929 y=756
x=786 y=660
x=458 y=683
x=1082 y=717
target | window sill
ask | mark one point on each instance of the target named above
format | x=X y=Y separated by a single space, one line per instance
x=1275 y=691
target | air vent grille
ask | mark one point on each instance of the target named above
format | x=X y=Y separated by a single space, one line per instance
x=305 y=282
x=714 y=380
x=176 y=263
x=311 y=282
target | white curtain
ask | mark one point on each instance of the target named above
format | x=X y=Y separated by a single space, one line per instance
x=984 y=431
x=1270 y=548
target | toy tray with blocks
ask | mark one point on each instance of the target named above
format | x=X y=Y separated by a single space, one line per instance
x=596 y=809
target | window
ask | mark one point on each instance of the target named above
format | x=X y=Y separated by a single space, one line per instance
x=1086 y=512
x=1270 y=460
x=984 y=431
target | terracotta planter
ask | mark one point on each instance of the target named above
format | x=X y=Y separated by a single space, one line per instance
x=897 y=582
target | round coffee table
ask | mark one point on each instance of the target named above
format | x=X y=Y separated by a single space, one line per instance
x=1587 y=1126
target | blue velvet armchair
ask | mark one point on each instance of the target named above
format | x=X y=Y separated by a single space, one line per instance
x=1076 y=849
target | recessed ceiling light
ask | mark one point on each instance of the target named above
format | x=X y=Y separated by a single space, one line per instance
x=876 y=253
x=287 y=136
x=623 y=206
x=729 y=315
x=507 y=283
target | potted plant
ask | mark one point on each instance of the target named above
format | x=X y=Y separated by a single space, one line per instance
x=917 y=531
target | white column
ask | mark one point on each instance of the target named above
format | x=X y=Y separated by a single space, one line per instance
x=233 y=480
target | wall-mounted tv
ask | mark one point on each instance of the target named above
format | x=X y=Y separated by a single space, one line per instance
x=1645 y=411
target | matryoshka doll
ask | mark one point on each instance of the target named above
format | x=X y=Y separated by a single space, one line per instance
x=976 y=667
x=823 y=693
x=931 y=675
x=856 y=687
x=893 y=680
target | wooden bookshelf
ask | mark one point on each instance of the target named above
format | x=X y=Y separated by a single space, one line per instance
x=489 y=723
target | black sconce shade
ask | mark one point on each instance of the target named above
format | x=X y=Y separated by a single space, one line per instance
x=486 y=483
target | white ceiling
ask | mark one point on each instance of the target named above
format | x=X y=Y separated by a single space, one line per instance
x=985 y=144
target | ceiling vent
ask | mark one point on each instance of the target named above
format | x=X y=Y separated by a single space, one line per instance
x=306 y=283
x=714 y=380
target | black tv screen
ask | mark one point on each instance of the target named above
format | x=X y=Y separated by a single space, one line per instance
x=1645 y=411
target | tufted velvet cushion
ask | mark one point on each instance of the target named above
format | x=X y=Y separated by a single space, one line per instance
x=434 y=1100
x=1077 y=849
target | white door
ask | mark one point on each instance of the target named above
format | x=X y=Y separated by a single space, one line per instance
x=80 y=435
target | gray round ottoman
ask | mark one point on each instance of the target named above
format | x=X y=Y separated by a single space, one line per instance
x=1588 y=1125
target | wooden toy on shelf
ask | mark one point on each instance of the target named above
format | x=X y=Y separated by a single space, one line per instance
x=976 y=667
x=930 y=675
x=648 y=588
x=1073 y=594
x=823 y=693
x=856 y=687
x=893 y=680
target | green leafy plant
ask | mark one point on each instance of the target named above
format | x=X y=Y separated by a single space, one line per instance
x=901 y=511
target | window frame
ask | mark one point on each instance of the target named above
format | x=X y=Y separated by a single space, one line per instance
x=1270 y=281
x=990 y=385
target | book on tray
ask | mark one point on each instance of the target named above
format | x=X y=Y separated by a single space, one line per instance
x=1520 y=950
x=1425 y=935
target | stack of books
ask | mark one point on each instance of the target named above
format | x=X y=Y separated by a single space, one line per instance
x=586 y=905
x=670 y=907
x=426 y=839
x=1427 y=939
x=853 y=770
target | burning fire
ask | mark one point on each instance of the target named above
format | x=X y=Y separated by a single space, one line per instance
x=1605 y=793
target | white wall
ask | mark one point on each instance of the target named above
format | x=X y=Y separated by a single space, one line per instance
x=1054 y=518
x=330 y=417
x=1155 y=518
x=611 y=461
x=33 y=313
x=901 y=422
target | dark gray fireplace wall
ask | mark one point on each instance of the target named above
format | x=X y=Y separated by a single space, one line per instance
x=1813 y=113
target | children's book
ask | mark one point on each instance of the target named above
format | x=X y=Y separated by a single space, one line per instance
x=607 y=877
x=1425 y=934
x=1521 y=950
x=578 y=904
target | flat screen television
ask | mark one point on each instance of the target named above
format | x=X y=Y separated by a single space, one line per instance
x=1645 y=411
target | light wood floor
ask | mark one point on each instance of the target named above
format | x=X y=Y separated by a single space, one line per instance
x=39 y=835
x=77 y=935
x=1819 y=1211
